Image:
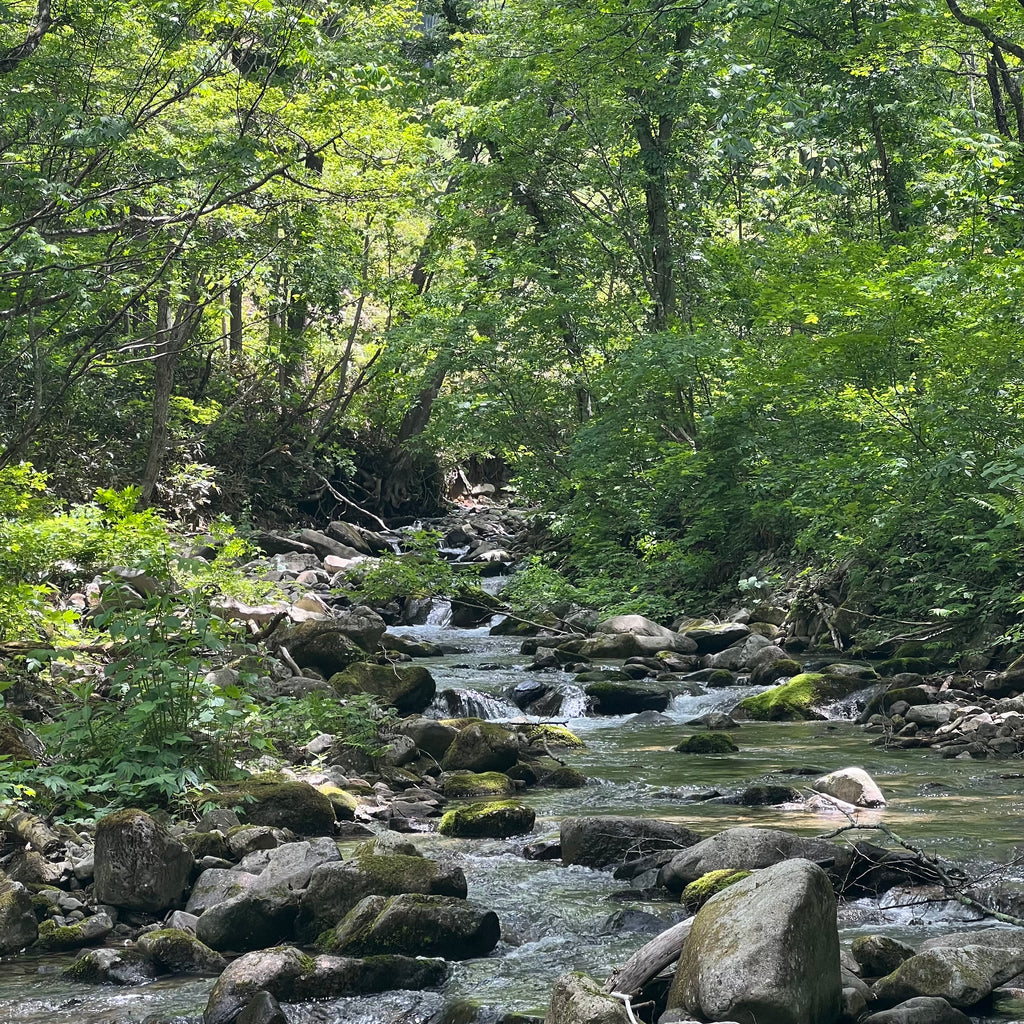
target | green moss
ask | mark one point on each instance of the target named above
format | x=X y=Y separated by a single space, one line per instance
x=555 y=736
x=602 y=675
x=795 y=700
x=897 y=666
x=498 y=820
x=344 y=803
x=706 y=743
x=207 y=844
x=280 y=802
x=463 y=784
x=55 y=936
x=697 y=893
x=721 y=677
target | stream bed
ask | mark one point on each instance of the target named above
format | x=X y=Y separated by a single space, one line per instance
x=556 y=918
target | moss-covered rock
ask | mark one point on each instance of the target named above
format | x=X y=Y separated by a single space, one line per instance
x=87 y=932
x=627 y=698
x=278 y=802
x=555 y=737
x=563 y=777
x=706 y=743
x=111 y=967
x=481 y=747
x=207 y=844
x=18 y=927
x=412 y=924
x=322 y=645
x=799 y=699
x=174 y=951
x=499 y=820
x=343 y=802
x=466 y=784
x=696 y=894
x=407 y=688
x=720 y=677
x=897 y=666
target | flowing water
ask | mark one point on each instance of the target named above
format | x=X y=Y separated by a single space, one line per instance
x=557 y=918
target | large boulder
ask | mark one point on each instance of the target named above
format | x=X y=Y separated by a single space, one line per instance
x=598 y=842
x=764 y=951
x=215 y=885
x=577 y=999
x=711 y=637
x=430 y=736
x=637 y=626
x=291 y=976
x=18 y=926
x=799 y=699
x=627 y=697
x=335 y=889
x=250 y=920
x=746 y=849
x=741 y=655
x=322 y=644
x=919 y=1010
x=482 y=747
x=963 y=977
x=407 y=688
x=499 y=819
x=852 y=786
x=138 y=865
x=111 y=967
x=90 y=931
x=278 y=802
x=415 y=925
x=174 y=951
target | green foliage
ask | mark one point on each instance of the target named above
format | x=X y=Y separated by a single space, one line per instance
x=359 y=721
x=418 y=572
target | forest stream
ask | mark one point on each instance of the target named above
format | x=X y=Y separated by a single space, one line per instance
x=557 y=918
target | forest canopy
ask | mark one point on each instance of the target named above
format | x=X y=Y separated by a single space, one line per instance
x=731 y=290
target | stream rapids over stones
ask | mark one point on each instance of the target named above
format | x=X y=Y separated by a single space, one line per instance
x=488 y=857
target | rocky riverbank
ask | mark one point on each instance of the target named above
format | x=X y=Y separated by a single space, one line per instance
x=308 y=882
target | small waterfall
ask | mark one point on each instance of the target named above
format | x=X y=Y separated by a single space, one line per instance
x=440 y=613
x=473 y=704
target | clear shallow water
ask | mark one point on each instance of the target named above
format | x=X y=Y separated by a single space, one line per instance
x=556 y=918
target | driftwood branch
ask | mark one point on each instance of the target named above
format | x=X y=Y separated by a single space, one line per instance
x=32 y=830
x=649 y=961
x=338 y=496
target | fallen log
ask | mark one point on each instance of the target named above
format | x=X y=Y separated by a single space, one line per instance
x=32 y=830
x=649 y=961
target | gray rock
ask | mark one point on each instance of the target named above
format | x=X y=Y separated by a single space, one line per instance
x=931 y=716
x=139 y=866
x=963 y=977
x=84 y=932
x=429 y=735
x=765 y=951
x=577 y=999
x=250 y=920
x=597 y=842
x=215 y=885
x=111 y=967
x=290 y=866
x=711 y=637
x=292 y=976
x=416 y=925
x=879 y=955
x=482 y=747
x=852 y=785
x=407 y=688
x=741 y=655
x=322 y=644
x=335 y=889
x=263 y=1008
x=1003 y=938
x=182 y=920
x=174 y=951
x=743 y=847
x=18 y=927
x=919 y=1010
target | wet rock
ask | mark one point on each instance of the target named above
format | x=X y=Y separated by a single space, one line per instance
x=250 y=920
x=879 y=954
x=416 y=925
x=715 y=720
x=291 y=976
x=263 y=1008
x=335 y=889
x=743 y=655
x=277 y=802
x=111 y=967
x=798 y=699
x=577 y=999
x=1000 y=937
x=322 y=644
x=712 y=637
x=499 y=819
x=627 y=697
x=765 y=949
x=597 y=842
x=87 y=932
x=851 y=785
x=215 y=885
x=706 y=743
x=137 y=864
x=409 y=689
x=18 y=926
x=174 y=951
x=467 y=784
x=963 y=977
x=919 y=1010
x=482 y=747
x=765 y=796
x=743 y=848
x=429 y=735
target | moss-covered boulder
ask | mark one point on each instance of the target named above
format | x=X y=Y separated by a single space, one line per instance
x=431 y=737
x=291 y=976
x=343 y=802
x=578 y=999
x=799 y=699
x=407 y=688
x=562 y=776
x=139 y=866
x=174 y=951
x=323 y=645
x=111 y=967
x=415 y=925
x=90 y=931
x=208 y=844
x=482 y=747
x=553 y=737
x=466 y=784
x=18 y=925
x=334 y=889
x=706 y=743
x=696 y=894
x=278 y=802
x=879 y=955
x=499 y=820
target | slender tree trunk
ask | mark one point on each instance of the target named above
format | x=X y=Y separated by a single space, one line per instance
x=235 y=322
